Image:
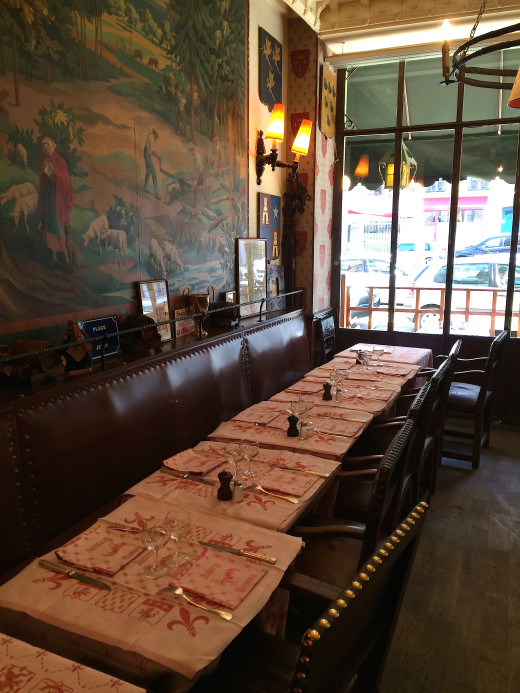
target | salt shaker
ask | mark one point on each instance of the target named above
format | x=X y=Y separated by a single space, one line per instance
x=304 y=430
x=339 y=394
x=238 y=491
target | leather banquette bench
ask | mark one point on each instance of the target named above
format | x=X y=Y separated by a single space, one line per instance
x=69 y=451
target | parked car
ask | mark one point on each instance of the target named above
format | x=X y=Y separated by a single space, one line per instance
x=374 y=271
x=494 y=244
x=476 y=273
x=415 y=255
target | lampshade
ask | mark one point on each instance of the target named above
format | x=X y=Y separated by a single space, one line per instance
x=514 y=98
x=302 y=139
x=362 y=167
x=275 y=129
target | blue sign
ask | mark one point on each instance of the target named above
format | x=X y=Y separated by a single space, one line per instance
x=104 y=333
x=270 y=69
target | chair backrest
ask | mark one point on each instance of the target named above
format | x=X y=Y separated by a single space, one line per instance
x=354 y=634
x=493 y=358
x=325 y=335
x=386 y=497
x=443 y=378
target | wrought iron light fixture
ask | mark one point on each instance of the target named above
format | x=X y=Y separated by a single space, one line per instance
x=275 y=132
x=489 y=78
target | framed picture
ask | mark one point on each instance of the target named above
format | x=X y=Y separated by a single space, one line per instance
x=231 y=297
x=251 y=274
x=154 y=299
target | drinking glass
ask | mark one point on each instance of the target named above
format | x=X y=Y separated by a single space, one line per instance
x=178 y=524
x=234 y=454
x=379 y=350
x=154 y=537
x=250 y=450
x=335 y=379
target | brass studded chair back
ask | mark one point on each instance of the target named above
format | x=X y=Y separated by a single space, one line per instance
x=354 y=633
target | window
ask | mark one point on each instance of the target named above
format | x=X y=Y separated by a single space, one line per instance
x=415 y=279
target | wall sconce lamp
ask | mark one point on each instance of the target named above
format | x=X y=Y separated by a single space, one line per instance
x=408 y=167
x=275 y=132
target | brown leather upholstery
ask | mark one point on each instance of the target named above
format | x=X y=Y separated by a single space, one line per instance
x=277 y=355
x=74 y=447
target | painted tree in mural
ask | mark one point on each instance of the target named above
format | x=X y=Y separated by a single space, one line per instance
x=192 y=30
x=27 y=21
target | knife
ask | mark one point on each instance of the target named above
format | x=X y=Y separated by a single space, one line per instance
x=124 y=528
x=239 y=552
x=323 y=475
x=70 y=572
x=189 y=477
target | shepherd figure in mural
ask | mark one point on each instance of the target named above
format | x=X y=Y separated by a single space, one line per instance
x=149 y=152
x=199 y=174
x=55 y=200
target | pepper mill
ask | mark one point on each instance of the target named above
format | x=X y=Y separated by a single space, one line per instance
x=224 y=492
x=292 y=431
x=327 y=391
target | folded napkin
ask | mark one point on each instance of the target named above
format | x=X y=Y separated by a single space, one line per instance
x=101 y=551
x=286 y=481
x=193 y=462
x=256 y=414
x=337 y=427
x=393 y=370
x=219 y=576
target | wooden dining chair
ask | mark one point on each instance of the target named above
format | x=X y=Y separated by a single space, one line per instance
x=335 y=546
x=468 y=405
x=347 y=643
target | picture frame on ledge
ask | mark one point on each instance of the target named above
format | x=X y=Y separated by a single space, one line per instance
x=154 y=300
x=251 y=269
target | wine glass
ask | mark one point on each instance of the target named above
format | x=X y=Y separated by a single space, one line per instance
x=178 y=524
x=250 y=450
x=345 y=375
x=379 y=350
x=234 y=454
x=335 y=379
x=154 y=537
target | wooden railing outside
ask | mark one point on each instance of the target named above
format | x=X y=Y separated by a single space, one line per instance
x=347 y=311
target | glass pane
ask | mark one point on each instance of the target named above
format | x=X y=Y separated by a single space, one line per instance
x=365 y=237
x=441 y=104
x=482 y=103
x=483 y=234
x=371 y=96
x=423 y=234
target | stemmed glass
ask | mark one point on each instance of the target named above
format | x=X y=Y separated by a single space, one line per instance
x=154 y=537
x=178 y=524
x=379 y=350
x=345 y=375
x=250 y=450
x=234 y=454
x=335 y=379
x=299 y=407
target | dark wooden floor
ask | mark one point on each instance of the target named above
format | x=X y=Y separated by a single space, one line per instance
x=459 y=628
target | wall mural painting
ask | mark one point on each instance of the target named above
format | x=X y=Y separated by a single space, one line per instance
x=122 y=154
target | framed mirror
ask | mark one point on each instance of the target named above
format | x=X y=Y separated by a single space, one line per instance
x=251 y=274
x=154 y=299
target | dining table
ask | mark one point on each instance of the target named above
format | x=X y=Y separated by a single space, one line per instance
x=177 y=624
x=392 y=354
x=190 y=478
x=25 y=668
x=144 y=628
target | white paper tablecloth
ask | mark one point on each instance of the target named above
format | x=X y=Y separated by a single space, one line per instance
x=28 y=669
x=161 y=628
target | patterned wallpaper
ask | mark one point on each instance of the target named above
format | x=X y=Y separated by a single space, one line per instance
x=313 y=255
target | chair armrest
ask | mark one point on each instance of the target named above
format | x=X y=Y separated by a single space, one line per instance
x=309 y=587
x=477 y=361
x=470 y=377
x=347 y=475
x=359 y=463
x=347 y=528
x=439 y=358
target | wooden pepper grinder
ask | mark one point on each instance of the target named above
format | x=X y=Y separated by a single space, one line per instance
x=327 y=391
x=292 y=431
x=224 y=492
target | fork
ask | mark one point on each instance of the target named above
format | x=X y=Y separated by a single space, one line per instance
x=180 y=592
x=291 y=499
x=334 y=435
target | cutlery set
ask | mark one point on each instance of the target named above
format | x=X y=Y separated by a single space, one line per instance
x=72 y=573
